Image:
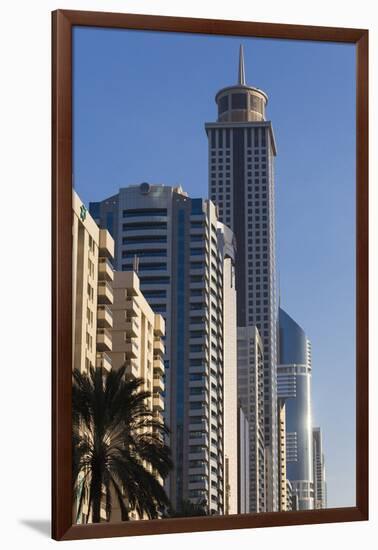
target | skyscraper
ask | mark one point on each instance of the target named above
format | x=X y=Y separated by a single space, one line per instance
x=182 y=253
x=294 y=386
x=320 y=485
x=242 y=148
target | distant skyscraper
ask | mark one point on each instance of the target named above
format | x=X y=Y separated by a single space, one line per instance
x=182 y=250
x=294 y=386
x=241 y=149
x=320 y=486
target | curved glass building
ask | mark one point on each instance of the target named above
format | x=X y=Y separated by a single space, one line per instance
x=294 y=386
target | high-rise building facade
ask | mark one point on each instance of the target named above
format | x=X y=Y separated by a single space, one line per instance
x=320 y=485
x=92 y=278
x=242 y=148
x=93 y=250
x=251 y=398
x=180 y=251
x=294 y=386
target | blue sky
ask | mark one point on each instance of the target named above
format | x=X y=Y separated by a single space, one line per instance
x=140 y=104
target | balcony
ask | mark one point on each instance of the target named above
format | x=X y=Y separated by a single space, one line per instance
x=202 y=412
x=204 y=485
x=199 y=455
x=158 y=384
x=159 y=328
x=131 y=307
x=105 y=293
x=131 y=327
x=132 y=368
x=158 y=366
x=201 y=396
x=106 y=245
x=105 y=270
x=158 y=346
x=104 y=317
x=103 y=360
x=202 y=440
x=204 y=383
x=157 y=402
x=199 y=470
x=131 y=349
x=104 y=340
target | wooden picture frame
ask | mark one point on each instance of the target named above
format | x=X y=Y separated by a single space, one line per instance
x=62 y=26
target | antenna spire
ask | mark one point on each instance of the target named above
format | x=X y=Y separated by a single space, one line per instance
x=241 y=72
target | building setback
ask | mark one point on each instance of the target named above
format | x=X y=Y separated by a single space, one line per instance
x=180 y=252
x=241 y=149
x=320 y=485
x=294 y=386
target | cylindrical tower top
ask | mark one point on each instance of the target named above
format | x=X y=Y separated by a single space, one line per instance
x=241 y=103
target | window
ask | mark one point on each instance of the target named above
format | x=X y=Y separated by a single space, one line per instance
x=223 y=104
x=239 y=101
x=148 y=212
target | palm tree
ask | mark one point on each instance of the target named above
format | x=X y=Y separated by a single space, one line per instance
x=115 y=438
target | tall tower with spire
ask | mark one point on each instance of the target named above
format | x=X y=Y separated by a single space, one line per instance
x=241 y=149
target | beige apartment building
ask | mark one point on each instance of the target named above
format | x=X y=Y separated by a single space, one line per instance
x=137 y=342
x=93 y=248
x=92 y=278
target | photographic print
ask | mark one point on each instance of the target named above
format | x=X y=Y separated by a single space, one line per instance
x=215 y=319
x=214 y=244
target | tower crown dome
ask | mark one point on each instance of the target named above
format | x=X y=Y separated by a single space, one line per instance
x=241 y=102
